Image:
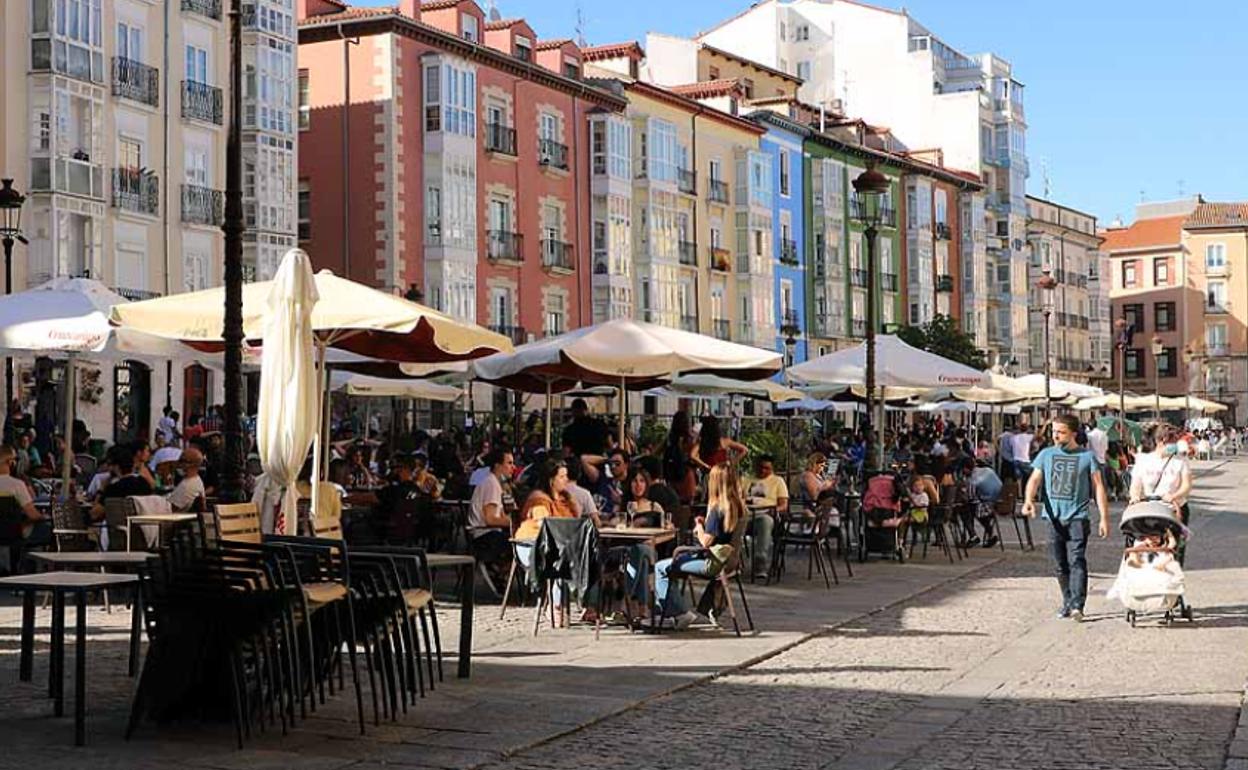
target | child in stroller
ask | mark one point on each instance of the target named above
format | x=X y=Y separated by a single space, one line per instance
x=884 y=531
x=1150 y=577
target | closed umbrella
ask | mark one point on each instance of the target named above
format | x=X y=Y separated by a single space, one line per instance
x=289 y=391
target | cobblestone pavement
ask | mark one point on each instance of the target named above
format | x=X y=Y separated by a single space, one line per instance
x=924 y=665
x=979 y=674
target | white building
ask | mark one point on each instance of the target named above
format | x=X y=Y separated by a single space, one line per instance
x=115 y=127
x=887 y=68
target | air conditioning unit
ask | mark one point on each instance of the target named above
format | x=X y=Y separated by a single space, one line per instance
x=836 y=105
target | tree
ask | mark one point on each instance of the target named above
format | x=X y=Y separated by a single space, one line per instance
x=944 y=337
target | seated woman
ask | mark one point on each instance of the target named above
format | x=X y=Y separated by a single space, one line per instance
x=640 y=511
x=812 y=487
x=549 y=499
x=725 y=506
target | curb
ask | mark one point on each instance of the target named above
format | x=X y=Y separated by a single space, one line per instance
x=751 y=662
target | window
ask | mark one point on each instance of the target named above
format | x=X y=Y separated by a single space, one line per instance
x=524 y=48
x=748 y=86
x=305 y=210
x=784 y=172
x=196 y=64
x=802 y=32
x=129 y=154
x=1216 y=295
x=450 y=98
x=803 y=70
x=1167 y=363
x=712 y=73
x=571 y=68
x=1161 y=271
x=942 y=208
x=1215 y=338
x=784 y=31
x=555 y=324
x=433 y=215
x=472 y=32
x=129 y=42
x=1134 y=315
x=1134 y=359
x=1130 y=268
x=1163 y=317
x=1215 y=256
x=305 y=108
x=197 y=166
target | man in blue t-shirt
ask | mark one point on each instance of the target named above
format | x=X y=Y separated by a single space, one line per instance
x=1070 y=476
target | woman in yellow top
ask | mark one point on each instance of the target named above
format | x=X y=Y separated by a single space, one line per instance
x=549 y=498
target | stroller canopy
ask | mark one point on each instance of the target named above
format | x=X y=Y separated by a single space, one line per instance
x=1149 y=517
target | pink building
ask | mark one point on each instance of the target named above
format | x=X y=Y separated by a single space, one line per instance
x=458 y=166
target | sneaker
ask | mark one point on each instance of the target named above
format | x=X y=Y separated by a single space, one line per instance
x=971 y=541
x=1063 y=613
x=682 y=622
x=991 y=541
x=1076 y=615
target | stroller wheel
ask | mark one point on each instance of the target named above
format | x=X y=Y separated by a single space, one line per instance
x=1131 y=617
x=1187 y=613
x=1169 y=619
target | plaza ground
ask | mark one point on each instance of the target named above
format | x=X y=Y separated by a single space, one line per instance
x=922 y=665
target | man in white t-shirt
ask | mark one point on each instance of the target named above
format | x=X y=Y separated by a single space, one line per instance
x=191 y=487
x=489 y=526
x=36 y=531
x=1098 y=442
x=1022 y=451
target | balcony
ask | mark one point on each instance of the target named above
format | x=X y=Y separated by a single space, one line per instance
x=689 y=323
x=788 y=253
x=828 y=326
x=790 y=324
x=1217 y=307
x=516 y=334
x=552 y=154
x=209 y=8
x=201 y=205
x=888 y=282
x=721 y=327
x=687 y=181
x=717 y=191
x=501 y=245
x=500 y=139
x=201 y=101
x=75 y=176
x=1217 y=271
x=136 y=295
x=136 y=81
x=878 y=213
x=858 y=277
x=721 y=259
x=858 y=327
x=557 y=255
x=688 y=252
x=135 y=189
x=944 y=283
x=943 y=233
x=1218 y=351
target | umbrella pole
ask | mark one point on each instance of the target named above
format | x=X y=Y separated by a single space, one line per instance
x=548 y=411
x=318 y=446
x=67 y=462
x=368 y=416
x=623 y=410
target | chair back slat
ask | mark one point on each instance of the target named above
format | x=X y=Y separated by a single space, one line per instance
x=117 y=512
x=239 y=522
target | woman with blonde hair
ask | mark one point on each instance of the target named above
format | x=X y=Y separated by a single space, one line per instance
x=725 y=508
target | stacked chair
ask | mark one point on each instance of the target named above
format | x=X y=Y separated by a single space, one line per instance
x=262 y=628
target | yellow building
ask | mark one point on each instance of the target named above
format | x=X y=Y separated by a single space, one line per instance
x=682 y=217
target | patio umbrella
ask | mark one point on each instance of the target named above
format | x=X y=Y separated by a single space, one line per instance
x=289 y=392
x=711 y=386
x=625 y=353
x=70 y=315
x=1057 y=388
x=348 y=316
x=1110 y=425
x=387 y=387
x=897 y=365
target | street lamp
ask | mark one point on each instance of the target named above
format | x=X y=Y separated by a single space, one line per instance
x=1123 y=332
x=791 y=331
x=1046 y=283
x=10 y=230
x=1188 y=356
x=870 y=186
x=1159 y=347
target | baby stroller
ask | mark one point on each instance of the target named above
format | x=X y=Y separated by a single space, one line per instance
x=883 y=522
x=1150 y=577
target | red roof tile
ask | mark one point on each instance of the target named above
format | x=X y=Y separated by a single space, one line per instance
x=613 y=51
x=1159 y=232
x=706 y=88
x=545 y=45
x=436 y=5
x=352 y=12
x=501 y=23
x=1218 y=215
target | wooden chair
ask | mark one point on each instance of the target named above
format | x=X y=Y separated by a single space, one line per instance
x=238 y=522
x=117 y=513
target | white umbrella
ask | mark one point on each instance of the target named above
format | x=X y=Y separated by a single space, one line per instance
x=710 y=386
x=289 y=392
x=70 y=315
x=386 y=387
x=624 y=353
x=1057 y=388
x=897 y=365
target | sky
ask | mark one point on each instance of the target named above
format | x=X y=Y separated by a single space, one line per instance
x=1125 y=101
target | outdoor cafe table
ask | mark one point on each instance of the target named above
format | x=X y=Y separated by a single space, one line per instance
x=158 y=519
x=59 y=584
x=467 y=589
x=103 y=560
x=655 y=536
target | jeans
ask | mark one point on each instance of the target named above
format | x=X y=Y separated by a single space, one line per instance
x=1068 y=545
x=524 y=552
x=675 y=604
x=760 y=531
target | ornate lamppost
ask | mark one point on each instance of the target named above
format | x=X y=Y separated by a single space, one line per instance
x=870 y=186
x=10 y=231
x=1046 y=283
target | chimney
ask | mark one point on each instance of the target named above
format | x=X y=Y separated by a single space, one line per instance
x=410 y=9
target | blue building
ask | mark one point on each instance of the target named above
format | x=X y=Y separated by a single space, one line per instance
x=784 y=141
